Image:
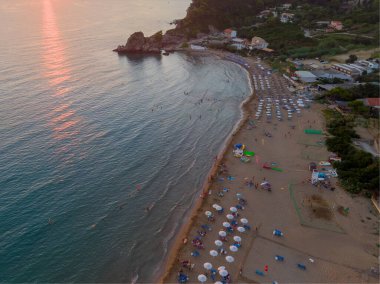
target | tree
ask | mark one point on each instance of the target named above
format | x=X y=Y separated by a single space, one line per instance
x=352 y=58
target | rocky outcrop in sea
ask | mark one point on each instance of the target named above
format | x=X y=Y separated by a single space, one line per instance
x=138 y=43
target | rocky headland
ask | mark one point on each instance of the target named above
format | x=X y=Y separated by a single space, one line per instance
x=138 y=43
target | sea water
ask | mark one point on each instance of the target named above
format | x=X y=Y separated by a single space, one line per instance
x=101 y=156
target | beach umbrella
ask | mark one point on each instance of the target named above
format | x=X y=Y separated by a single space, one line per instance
x=233 y=209
x=226 y=224
x=241 y=229
x=219 y=243
x=202 y=278
x=221 y=268
x=213 y=253
x=207 y=265
x=229 y=216
x=215 y=206
x=244 y=221
x=218 y=282
x=233 y=248
x=219 y=208
x=230 y=258
x=222 y=233
x=237 y=239
x=223 y=273
x=208 y=213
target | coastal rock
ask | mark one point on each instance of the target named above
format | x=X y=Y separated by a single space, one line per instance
x=138 y=43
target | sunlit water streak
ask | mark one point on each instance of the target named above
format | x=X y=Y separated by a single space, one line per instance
x=89 y=139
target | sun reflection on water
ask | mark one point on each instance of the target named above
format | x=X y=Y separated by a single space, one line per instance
x=62 y=118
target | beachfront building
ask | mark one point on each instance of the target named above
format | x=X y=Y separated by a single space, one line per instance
x=368 y=64
x=348 y=69
x=258 y=43
x=239 y=43
x=286 y=18
x=336 y=25
x=287 y=6
x=264 y=14
x=306 y=76
x=230 y=33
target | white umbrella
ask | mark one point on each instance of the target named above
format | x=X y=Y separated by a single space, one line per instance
x=208 y=213
x=207 y=265
x=221 y=268
x=237 y=239
x=202 y=278
x=241 y=229
x=222 y=233
x=233 y=209
x=230 y=258
x=218 y=208
x=218 y=282
x=213 y=253
x=218 y=243
x=223 y=273
x=244 y=221
x=215 y=206
x=229 y=217
x=226 y=224
x=233 y=248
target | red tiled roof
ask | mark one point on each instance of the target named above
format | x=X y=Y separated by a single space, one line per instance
x=373 y=101
x=228 y=31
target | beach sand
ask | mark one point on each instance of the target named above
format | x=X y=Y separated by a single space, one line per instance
x=343 y=248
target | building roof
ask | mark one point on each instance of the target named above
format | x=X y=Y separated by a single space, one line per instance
x=306 y=76
x=228 y=31
x=258 y=40
x=373 y=102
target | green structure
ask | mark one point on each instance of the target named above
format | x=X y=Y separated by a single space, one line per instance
x=313 y=131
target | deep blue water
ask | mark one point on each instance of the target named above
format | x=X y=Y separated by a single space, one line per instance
x=89 y=139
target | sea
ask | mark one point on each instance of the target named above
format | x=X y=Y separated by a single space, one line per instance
x=102 y=156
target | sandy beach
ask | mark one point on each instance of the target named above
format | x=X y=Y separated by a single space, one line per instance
x=332 y=247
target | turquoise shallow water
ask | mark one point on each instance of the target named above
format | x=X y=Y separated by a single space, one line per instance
x=89 y=139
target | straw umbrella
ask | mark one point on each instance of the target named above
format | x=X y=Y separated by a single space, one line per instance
x=237 y=239
x=218 y=243
x=202 y=278
x=241 y=229
x=230 y=258
x=223 y=273
x=213 y=253
x=229 y=216
x=226 y=224
x=233 y=248
x=207 y=265
x=244 y=221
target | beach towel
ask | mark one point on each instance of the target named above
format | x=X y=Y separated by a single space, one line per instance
x=248 y=153
x=230 y=178
x=277 y=169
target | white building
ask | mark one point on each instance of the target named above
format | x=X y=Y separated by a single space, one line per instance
x=230 y=33
x=238 y=43
x=286 y=18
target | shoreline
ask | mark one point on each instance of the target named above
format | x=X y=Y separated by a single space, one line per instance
x=193 y=212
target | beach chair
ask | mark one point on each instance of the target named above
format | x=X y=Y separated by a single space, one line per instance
x=301 y=266
x=195 y=253
x=182 y=278
x=258 y=272
x=206 y=227
x=279 y=258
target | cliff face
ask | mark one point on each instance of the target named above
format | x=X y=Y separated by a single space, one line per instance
x=138 y=43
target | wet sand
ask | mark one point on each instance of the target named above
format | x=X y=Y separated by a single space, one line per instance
x=342 y=248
